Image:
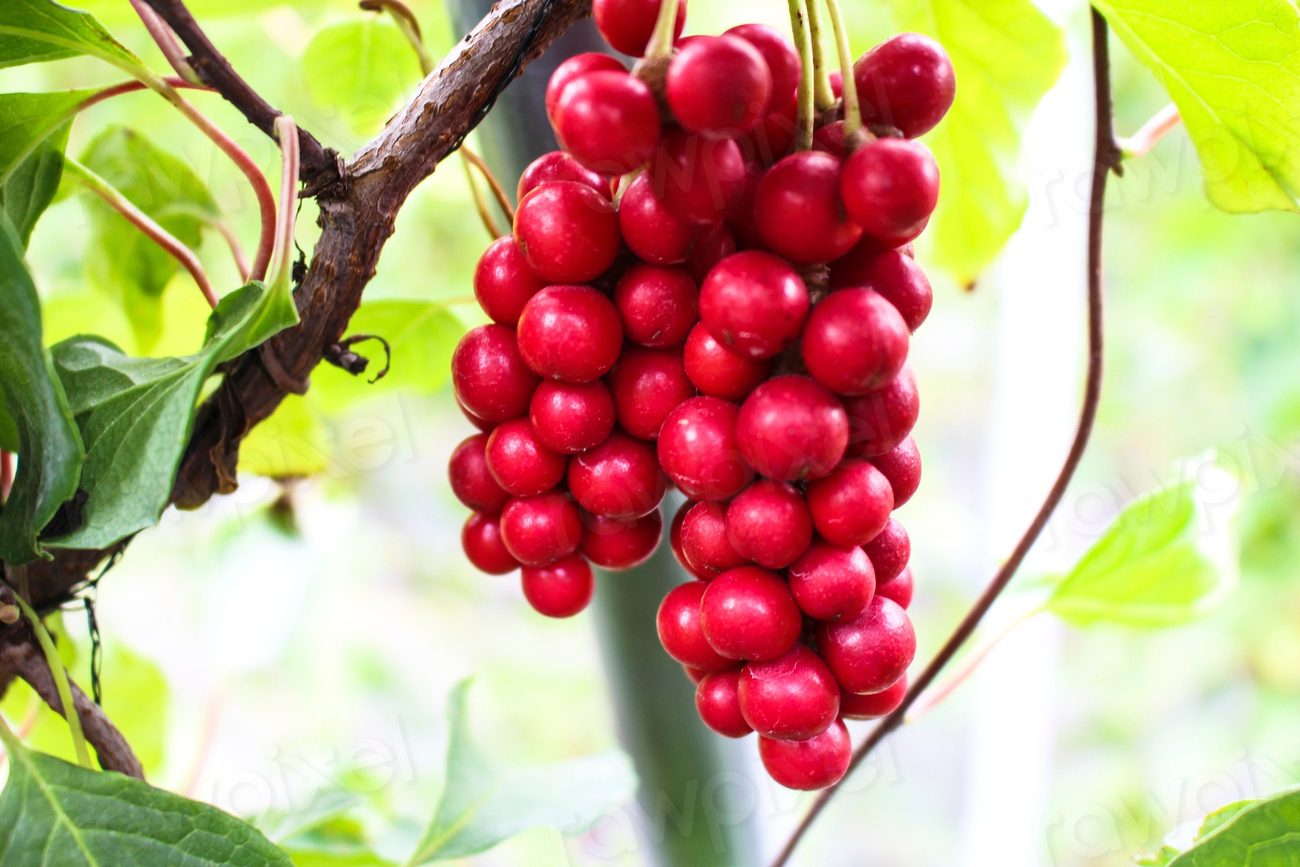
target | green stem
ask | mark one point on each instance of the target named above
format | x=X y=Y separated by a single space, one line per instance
x=807 y=90
x=60 y=683
x=408 y=24
x=282 y=259
x=661 y=43
x=852 y=109
x=825 y=96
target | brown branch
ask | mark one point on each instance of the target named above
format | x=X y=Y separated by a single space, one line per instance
x=1107 y=158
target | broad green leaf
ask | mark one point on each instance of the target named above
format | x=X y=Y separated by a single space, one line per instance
x=135 y=414
x=292 y=442
x=1006 y=55
x=360 y=69
x=1252 y=834
x=1167 y=559
x=1222 y=816
x=33 y=31
x=484 y=804
x=54 y=813
x=33 y=134
x=49 y=446
x=1233 y=70
x=34 y=183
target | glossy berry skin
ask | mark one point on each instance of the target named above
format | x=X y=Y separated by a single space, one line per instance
x=748 y=613
x=571 y=417
x=705 y=546
x=775 y=135
x=471 y=481
x=680 y=630
x=779 y=55
x=855 y=342
x=900 y=589
x=716 y=370
x=699 y=452
x=890 y=188
x=675 y=539
x=558 y=166
x=889 y=552
x=520 y=463
x=791 y=698
x=491 y=379
x=616 y=545
x=561 y=589
x=570 y=333
x=696 y=177
x=832 y=583
x=875 y=705
x=574 y=67
x=906 y=83
x=718 y=86
x=800 y=214
x=768 y=524
x=754 y=304
x=627 y=25
x=717 y=700
x=567 y=231
x=851 y=505
x=503 y=282
x=816 y=763
x=481 y=539
x=871 y=652
x=713 y=244
x=609 y=121
x=540 y=530
x=620 y=478
x=881 y=419
x=651 y=229
x=830 y=139
x=791 y=429
x=902 y=467
x=891 y=273
x=648 y=384
x=482 y=424
x=658 y=305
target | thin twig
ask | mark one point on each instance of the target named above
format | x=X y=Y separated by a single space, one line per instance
x=166 y=41
x=852 y=109
x=1107 y=159
x=807 y=94
x=825 y=95
x=498 y=192
x=54 y=664
x=408 y=24
x=480 y=200
x=287 y=133
x=1152 y=132
x=226 y=231
x=133 y=87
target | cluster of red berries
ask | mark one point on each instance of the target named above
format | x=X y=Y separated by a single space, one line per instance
x=687 y=300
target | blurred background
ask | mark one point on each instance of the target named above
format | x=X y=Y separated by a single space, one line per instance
x=294 y=644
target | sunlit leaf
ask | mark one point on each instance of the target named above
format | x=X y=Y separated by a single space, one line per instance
x=1261 y=833
x=32 y=31
x=292 y=442
x=360 y=69
x=33 y=134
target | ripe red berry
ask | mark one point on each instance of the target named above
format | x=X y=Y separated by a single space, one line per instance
x=906 y=83
x=572 y=333
x=616 y=545
x=831 y=582
x=675 y=539
x=481 y=539
x=568 y=232
x=558 y=166
x=698 y=449
x=572 y=68
x=482 y=424
x=696 y=177
x=718 y=86
x=503 y=282
x=775 y=135
x=890 y=187
x=780 y=56
x=792 y=698
x=748 y=613
x=830 y=139
x=754 y=304
x=519 y=461
x=902 y=467
x=571 y=417
x=851 y=505
x=791 y=429
x=875 y=705
x=648 y=384
x=695 y=674
x=714 y=244
x=816 y=763
x=680 y=631
x=893 y=274
x=871 y=652
x=716 y=370
x=627 y=25
x=705 y=546
x=889 y=552
x=491 y=379
x=471 y=481
x=620 y=478
x=881 y=419
x=540 y=530
x=855 y=342
x=651 y=229
x=900 y=588
x=561 y=589
x=658 y=305
x=609 y=121
x=768 y=523
x=717 y=700
x=800 y=214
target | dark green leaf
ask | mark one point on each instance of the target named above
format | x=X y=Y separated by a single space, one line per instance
x=32 y=31
x=33 y=134
x=360 y=69
x=1251 y=834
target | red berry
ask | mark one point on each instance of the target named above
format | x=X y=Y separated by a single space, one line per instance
x=650 y=228
x=792 y=698
x=902 y=467
x=717 y=700
x=680 y=632
x=791 y=429
x=575 y=67
x=800 y=215
x=567 y=231
x=698 y=450
x=482 y=424
x=748 y=613
x=695 y=674
x=491 y=379
x=899 y=588
x=881 y=419
x=717 y=371
x=830 y=139
x=520 y=463
x=648 y=384
x=893 y=274
x=775 y=135
x=714 y=244
x=609 y=121
x=675 y=539
x=571 y=417
x=906 y=83
x=816 y=763
x=616 y=545
x=541 y=530
x=855 y=342
x=768 y=523
x=620 y=478
x=627 y=25
x=889 y=552
x=741 y=217
x=876 y=705
x=481 y=539
x=696 y=177
x=705 y=546
x=779 y=55
x=471 y=481
x=851 y=505
x=561 y=589
x=658 y=305
x=754 y=304
x=571 y=333
x=871 y=652
x=503 y=282
x=832 y=583
x=718 y=86
x=890 y=187
x=558 y=166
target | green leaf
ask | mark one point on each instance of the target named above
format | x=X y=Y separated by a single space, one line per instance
x=33 y=133
x=55 y=813
x=291 y=443
x=135 y=414
x=1167 y=559
x=33 y=31
x=1007 y=55
x=1251 y=834
x=484 y=804
x=1233 y=70
x=49 y=446
x=360 y=69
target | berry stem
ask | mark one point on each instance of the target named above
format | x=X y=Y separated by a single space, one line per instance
x=406 y=22
x=167 y=42
x=6 y=475
x=282 y=259
x=661 y=42
x=852 y=109
x=480 y=200
x=498 y=191
x=227 y=232
x=824 y=94
x=807 y=89
x=1152 y=132
x=1107 y=159
x=60 y=675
